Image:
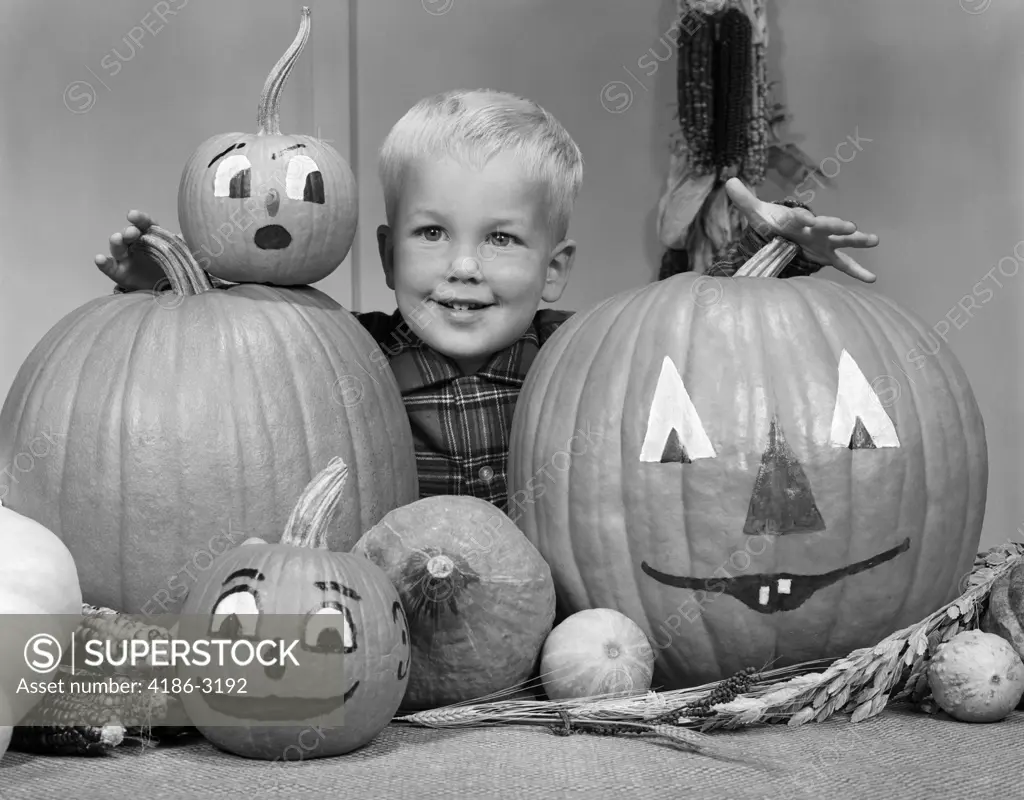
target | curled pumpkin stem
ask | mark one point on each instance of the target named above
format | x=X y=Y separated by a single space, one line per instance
x=268 y=115
x=172 y=255
x=307 y=526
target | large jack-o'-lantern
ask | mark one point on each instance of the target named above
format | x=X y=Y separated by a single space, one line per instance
x=739 y=465
x=269 y=207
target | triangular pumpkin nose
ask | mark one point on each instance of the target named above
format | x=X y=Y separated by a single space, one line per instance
x=782 y=501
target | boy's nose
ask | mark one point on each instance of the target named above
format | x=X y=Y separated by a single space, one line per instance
x=464 y=269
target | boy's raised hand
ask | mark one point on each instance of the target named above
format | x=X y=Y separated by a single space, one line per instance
x=131 y=270
x=819 y=237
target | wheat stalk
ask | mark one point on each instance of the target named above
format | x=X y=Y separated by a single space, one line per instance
x=862 y=684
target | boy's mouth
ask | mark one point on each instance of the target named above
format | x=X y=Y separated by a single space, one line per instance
x=457 y=305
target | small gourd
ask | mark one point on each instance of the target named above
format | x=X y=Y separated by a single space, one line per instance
x=976 y=677
x=596 y=652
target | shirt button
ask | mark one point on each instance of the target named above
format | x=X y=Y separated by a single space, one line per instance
x=486 y=473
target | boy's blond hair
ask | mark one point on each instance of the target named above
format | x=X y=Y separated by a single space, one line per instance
x=473 y=126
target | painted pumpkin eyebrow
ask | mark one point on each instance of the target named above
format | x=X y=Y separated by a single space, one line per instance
x=248 y=572
x=285 y=150
x=219 y=156
x=334 y=586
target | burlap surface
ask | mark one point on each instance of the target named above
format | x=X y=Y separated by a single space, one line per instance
x=900 y=754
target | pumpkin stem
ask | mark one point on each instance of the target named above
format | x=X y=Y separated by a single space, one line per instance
x=770 y=260
x=268 y=116
x=172 y=256
x=432 y=582
x=312 y=515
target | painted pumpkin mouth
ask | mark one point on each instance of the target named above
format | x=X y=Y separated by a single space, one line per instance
x=783 y=591
x=272 y=708
x=272 y=237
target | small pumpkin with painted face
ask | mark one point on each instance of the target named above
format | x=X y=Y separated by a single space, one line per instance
x=325 y=634
x=739 y=465
x=269 y=207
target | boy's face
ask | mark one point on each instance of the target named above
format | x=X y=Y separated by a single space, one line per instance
x=471 y=256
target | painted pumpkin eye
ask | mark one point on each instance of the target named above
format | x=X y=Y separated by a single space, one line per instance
x=303 y=180
x=235 y=615
x=330 y=630
x=674 y=430
x=860 y=420
x=233 y=178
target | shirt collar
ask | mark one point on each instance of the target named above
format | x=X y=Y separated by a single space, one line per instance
x=417 y=366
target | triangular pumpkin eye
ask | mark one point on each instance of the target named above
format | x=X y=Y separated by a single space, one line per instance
x=860 y=420
x=674 y=430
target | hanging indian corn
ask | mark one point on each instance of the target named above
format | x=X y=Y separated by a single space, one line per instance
x=727 y=129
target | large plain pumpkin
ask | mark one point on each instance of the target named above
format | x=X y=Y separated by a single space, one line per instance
x=349 y=664
x=740 y=466
x=39 y=596
x=153 y=431
x=269 y=207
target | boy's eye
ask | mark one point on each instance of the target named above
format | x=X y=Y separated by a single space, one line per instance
x=432 y=233
x=501 y=239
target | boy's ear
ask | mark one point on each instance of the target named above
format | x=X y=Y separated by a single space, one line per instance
x=558 y=270
x=386 y=248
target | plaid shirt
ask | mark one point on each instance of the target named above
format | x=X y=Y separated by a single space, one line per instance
x=460 y=423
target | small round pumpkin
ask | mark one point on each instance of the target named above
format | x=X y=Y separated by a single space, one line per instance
x=352 y=648
x=39 y=588
x=479 y=597
x=738 y=465
x=1005 y=613
x=269 y=207
x=151 y=431
x=596 y=652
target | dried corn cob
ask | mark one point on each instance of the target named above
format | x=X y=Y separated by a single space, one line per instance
x=54 y=726
x=82 y=704
x=759 y=136
x=726 y=124
x=105 y=624
x=733 y=81
x=717 y=85
x=696 y=92
x=66 y=740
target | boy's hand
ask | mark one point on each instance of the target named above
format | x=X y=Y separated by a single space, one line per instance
x=131 y=271
x=818 y=237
